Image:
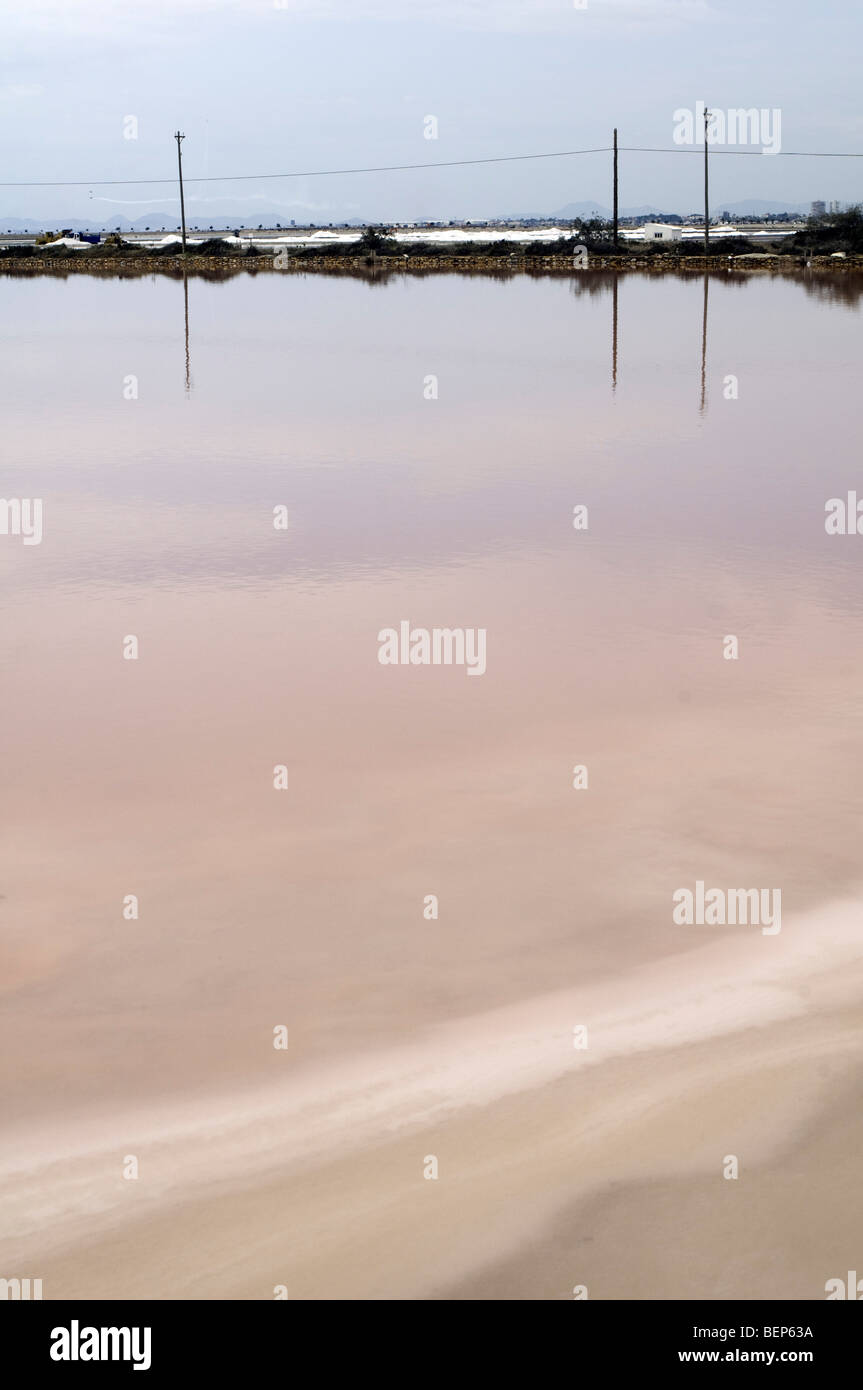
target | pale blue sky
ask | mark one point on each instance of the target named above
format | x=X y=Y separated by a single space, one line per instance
x=259 y=86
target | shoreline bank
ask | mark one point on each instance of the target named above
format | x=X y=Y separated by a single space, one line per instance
x=386 y=267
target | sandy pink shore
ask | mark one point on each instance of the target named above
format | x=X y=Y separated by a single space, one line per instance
x=718 y=1051
x=790 y=1222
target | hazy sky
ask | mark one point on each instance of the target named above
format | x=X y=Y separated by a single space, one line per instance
x=265 y=86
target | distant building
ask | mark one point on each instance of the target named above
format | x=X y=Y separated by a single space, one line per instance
x=835 y=206
x=817 y=210
x=661 y=231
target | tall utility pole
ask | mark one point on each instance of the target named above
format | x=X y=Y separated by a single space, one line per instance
x=706 y=200
x=178 y=137
x=615 y=185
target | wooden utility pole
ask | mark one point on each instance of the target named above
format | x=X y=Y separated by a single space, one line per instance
x=178 y=137
x=706 y=199
x=615 y=185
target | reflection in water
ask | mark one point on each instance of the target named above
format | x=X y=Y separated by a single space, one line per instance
x=598 y=282
x=614 y=336
x=820 y=283
x=703 y=405
x=601 y=281
x=594 y=282
x=186 y=309
x=262 y=907
x=834 y=289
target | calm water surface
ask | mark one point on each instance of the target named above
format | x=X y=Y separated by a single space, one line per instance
x=605 y=648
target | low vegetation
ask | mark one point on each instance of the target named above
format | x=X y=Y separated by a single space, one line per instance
x=377 y=248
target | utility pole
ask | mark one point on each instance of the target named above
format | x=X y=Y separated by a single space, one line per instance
x=615 y=185
x=706 y=200
x=178 y=137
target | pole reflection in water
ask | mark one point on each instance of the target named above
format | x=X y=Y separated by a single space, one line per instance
x=186 y=311
x=603 y=281
x=614 y=335
x=703 y=405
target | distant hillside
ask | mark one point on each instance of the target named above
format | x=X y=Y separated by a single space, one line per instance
x=760 y=207
x=234 y=213
x=586 y=210
x=76 y=224
x=228 y=213
x=572 y=210
x=746 y=207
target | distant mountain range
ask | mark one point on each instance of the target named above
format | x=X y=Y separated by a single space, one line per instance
x=586 y=210
x=235 y=214
x=748 y=207
x=220 y=213
x=761 y=207
x=154 y=221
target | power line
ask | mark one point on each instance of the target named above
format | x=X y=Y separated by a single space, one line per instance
x=759 y=154
x=309 y=173
x=438 y=164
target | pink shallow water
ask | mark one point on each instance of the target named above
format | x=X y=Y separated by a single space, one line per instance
x=257 y=648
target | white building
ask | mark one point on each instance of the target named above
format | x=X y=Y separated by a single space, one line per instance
x=661 y=231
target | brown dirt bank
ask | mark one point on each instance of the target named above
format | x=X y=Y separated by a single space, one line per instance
x=225 y=267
